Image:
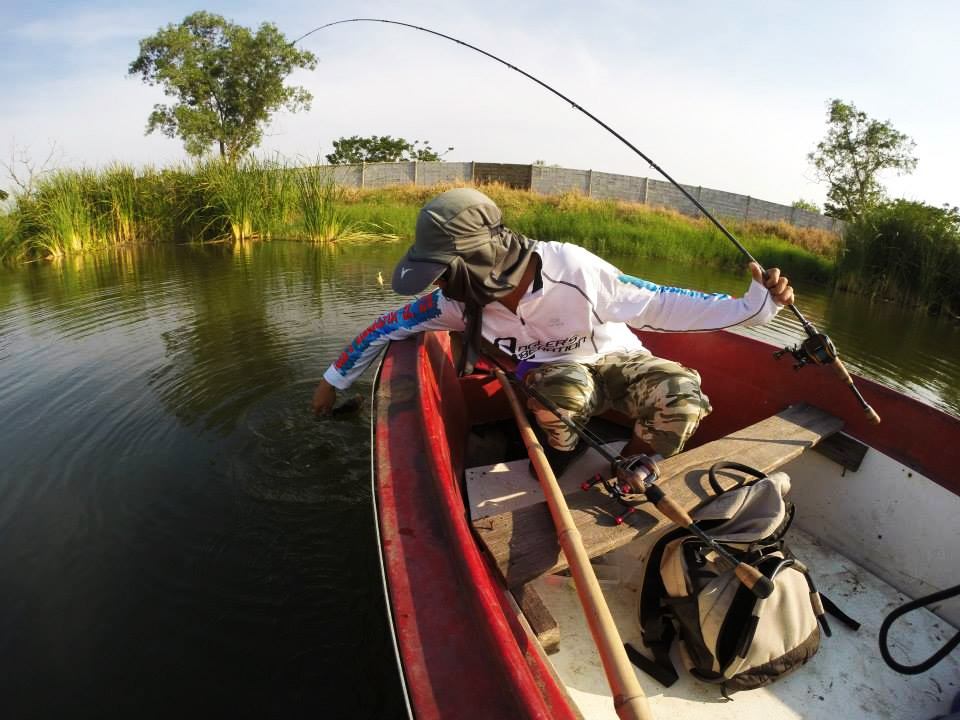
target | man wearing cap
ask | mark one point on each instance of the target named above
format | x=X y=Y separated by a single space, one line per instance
x=564 y=314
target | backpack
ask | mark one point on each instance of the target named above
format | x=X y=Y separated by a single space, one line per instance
x=728 y=635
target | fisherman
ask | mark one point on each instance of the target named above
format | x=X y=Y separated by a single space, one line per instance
x=564 y=314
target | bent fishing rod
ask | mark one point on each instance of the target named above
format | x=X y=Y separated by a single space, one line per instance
x=817 y=349
x=638 y=474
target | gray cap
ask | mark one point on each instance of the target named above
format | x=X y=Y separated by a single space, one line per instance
x=453 y=224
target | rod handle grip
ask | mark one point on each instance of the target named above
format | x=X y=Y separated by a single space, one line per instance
x=758 y=583
x=668 y=507
x=844 y=375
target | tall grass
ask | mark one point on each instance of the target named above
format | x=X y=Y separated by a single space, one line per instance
x=10 y=247
x=322 y=215
x=232 y=197
x=905 y=251
x=119 y=204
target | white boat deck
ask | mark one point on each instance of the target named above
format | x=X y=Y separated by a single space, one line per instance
x=846 y=679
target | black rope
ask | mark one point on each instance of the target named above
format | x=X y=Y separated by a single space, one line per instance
x=904 y=609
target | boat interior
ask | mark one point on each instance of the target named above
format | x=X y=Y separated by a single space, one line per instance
x=870 y=539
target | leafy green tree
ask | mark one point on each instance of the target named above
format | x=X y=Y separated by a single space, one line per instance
x=854 y=150
x=227 y=82
x=356 y=149
x=807 y=205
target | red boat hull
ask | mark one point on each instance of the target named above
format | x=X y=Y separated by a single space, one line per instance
x=463 y=650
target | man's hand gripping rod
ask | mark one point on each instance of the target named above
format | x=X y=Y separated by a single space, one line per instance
x=640 y=474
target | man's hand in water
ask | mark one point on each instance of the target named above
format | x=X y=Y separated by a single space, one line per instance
x=779 y=285
x=324 y=398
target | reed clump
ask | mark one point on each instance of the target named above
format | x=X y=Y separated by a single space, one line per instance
x=75 y=211
x=907 y=252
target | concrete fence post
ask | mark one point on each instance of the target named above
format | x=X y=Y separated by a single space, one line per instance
x=646 y=184
x=793 y=215
x=363 y=172
x=590 y=183
x=416 y=168
x=746 y=212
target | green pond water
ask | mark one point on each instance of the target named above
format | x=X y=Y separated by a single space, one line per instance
x=179 y=536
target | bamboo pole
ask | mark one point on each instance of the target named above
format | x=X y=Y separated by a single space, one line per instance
x=629 y=700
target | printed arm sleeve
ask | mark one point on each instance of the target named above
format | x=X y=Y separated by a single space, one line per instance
x=430 y=312
x=647 y=306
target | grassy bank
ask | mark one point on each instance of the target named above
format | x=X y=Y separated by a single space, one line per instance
x=620 y=227
x=72 y=212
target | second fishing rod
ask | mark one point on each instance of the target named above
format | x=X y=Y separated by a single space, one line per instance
x=638 y=474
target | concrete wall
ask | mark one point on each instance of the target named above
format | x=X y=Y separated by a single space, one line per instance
x=605 y=186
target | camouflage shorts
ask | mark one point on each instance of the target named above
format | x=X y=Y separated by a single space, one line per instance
x=663 y=397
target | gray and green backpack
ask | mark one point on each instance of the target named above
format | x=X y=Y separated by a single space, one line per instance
x=728 y=635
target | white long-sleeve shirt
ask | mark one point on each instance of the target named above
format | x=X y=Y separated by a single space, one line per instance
x=579 y=309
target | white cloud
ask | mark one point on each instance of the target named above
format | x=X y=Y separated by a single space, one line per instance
x=88 y=27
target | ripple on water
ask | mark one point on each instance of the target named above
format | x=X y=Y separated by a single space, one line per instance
x=296 y=458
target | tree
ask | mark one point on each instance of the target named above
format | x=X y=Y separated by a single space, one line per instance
x=227 y=82
x=855 y=149
x=807 y=205
x=356 y=149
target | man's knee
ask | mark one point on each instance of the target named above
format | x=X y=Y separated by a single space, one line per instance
x=674 y=404
x=569 y=386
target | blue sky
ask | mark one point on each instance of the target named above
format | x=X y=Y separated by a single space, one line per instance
x=730 y=95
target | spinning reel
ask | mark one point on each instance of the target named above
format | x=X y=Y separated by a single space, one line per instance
x=817 y=349
x=629 y=477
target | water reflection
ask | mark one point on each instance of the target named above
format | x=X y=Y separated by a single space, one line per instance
x=178 y=532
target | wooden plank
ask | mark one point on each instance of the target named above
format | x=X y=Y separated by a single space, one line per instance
x=523 y=543
x=542 y=623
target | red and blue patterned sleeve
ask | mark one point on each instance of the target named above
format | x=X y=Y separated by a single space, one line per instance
x=430 y=312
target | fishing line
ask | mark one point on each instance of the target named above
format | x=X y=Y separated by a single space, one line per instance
x=817 y=349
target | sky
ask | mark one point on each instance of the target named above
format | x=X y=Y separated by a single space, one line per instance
x=729 y=95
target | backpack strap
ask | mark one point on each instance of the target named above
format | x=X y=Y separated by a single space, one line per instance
x=655 y=624
x=660 y=668
x=730 y=465
x=831 y=607
x=823 y=605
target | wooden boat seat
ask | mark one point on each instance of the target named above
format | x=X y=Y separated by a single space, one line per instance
x=522 y=541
